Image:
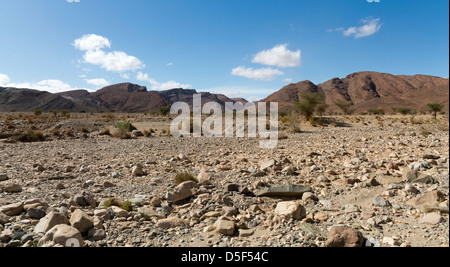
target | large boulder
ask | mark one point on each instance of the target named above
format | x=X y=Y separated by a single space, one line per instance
x=340 y=236
x=62 y=235
x=49 y=221
x=81 y=221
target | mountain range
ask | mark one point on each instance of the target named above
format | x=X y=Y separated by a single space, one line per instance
x=367 y=90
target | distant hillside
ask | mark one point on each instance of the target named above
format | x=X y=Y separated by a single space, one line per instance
x=371 y=90
x=124 y=97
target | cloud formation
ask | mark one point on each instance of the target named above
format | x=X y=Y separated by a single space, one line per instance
x=278 y=56
x=115 y=61
x=4 y=79
x=98 y=82
x=143 y=77
x=263 y=74
x=370 y=26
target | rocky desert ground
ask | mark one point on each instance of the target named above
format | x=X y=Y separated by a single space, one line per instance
x=362 y=181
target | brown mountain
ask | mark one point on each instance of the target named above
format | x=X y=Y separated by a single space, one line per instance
x=371 y=90
x=29 y=100
x=124 y=97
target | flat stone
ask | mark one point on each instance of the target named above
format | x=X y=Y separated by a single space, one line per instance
x=431 y=219
x=246 y=232
x=12 y=209
x=172 y=222
x=149 y=212
x=284 y=191
x=3 y=177
x=430 y=199
x=12 y=188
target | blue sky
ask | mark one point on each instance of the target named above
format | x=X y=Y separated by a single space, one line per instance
x=247 y=48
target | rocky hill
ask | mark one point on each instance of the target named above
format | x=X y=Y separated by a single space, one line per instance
x=371 y=90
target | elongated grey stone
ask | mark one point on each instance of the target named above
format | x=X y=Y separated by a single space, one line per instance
x=284 y=191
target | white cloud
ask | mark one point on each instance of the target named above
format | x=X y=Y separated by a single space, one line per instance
x=4 y=79
x=288 y=80
x=169 y=64
x=265 y=74
x=370 y=27
x=115 y=61
x=125 y=76
x=278 y=56
x=91 y=42
x=98 y=82
x=161 y=86
x=73 y=1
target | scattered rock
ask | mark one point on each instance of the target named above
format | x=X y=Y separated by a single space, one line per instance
x=172 y=222
x=183 y=191
x=62 y=235
x=340 y=236
x=225 y=227
x=12 y=188
x=431 y=199
x=137 y=170
x=3 y=177
x=81 y=221
x=49 y=221
x=284 y=191
x=380 y=201
x=431 y=219
x=36 y=213
x=291 y=209
x=12 y=209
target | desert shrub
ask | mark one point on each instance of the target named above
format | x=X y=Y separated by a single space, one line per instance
x=111 y=202
x=126 y=126
x=65 y=113
x=402 y=110
x=308 y=104
x=84 y=130
x=378 y=111
x=38 y=112
x=435 y=108
x=164 y=111
x=184 y=177
x=124 y=129
x=345 y=106
x=126 y=205
x=31 y=136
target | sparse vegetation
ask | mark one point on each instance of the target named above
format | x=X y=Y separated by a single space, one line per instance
x=435 y=108
x=123 y=130
x=402 y=110
x=378 y=111
x=31 y=136
x=308 y=104
x=38 y=112
x=164 y=111
x=345 y=106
